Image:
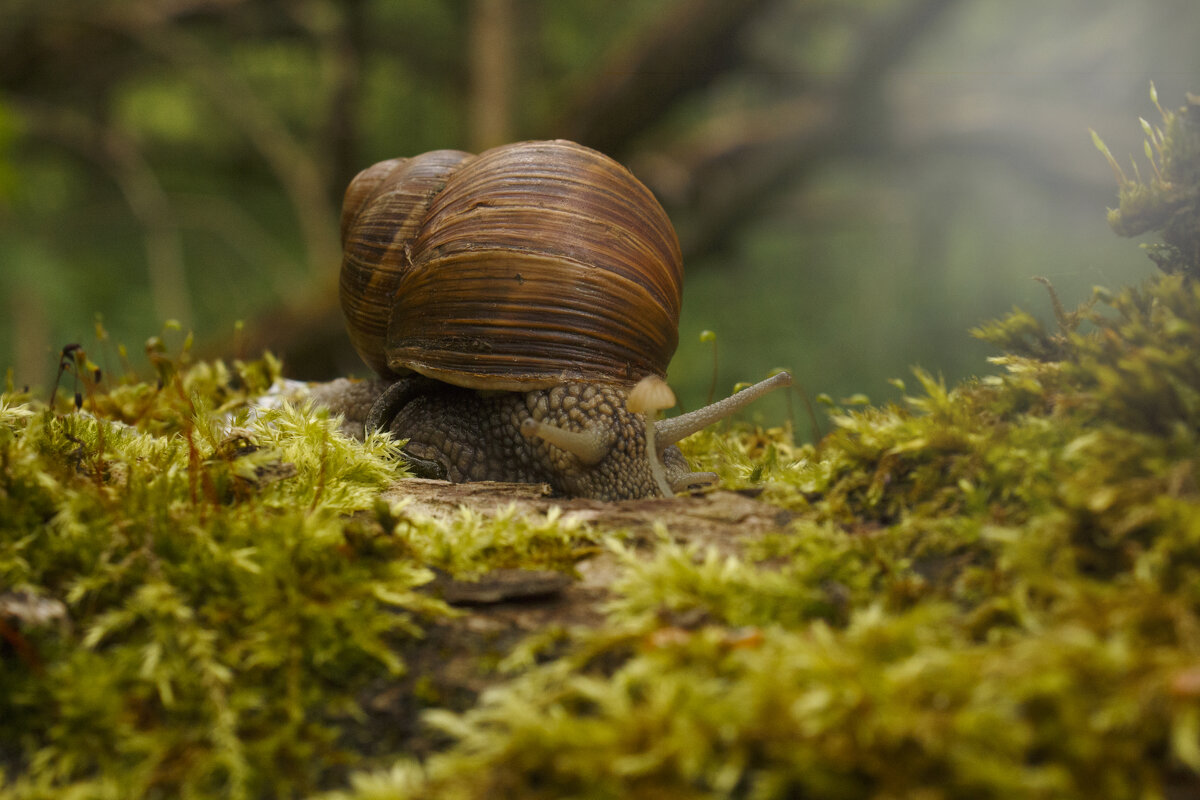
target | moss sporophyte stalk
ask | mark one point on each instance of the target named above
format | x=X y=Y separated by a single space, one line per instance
x=989 y=589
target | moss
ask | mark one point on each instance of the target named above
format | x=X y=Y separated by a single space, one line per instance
x=990 y=589
x=218 y=623
x=232 y=585
x=473 y=543
x=1168 y=199
x=987 y=590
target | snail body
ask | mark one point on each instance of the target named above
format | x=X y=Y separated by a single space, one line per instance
x=522 y=305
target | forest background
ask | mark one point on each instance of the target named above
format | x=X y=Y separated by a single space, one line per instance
x=856 y=183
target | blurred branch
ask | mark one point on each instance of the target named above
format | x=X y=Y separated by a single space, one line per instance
x=886 y=40
x=735 y=167
x=691 y=45
x=118 y=155
x=490 y=58
x=298 y=172
x=228 y=222
x=1022 y=132
x=164 y=12
x=347 y=47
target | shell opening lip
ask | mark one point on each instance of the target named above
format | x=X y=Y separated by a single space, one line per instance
x=482 y=381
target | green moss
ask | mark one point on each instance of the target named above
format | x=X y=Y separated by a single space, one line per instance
x=229 y=584
x=1167 y=199
x=990 y=589
x=474 y=543
x=987 y=590
x=217 y=623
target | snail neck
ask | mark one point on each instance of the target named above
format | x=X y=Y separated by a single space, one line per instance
x=579 y=437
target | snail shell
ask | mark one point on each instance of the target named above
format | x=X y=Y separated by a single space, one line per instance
x=529 y=265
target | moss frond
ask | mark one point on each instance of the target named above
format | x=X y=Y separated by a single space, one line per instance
x=219 y=626
x=986 y=590
x=1168 y=200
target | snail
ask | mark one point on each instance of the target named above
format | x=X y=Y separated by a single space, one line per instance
x=522 y=305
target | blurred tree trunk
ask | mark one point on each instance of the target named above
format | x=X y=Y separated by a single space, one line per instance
x=342 y=129
x=491 y=73
x=32 y=359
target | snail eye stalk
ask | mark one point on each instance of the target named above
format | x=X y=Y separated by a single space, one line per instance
x=670 y=431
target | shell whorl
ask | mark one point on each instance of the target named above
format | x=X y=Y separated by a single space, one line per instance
x=382 y=210
x=522 y=267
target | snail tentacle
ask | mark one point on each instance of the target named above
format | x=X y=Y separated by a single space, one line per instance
x=656 y=466
x=692 y=480
x=651 y=395
x=510 y=298
x=670 y=431
x=590 y=445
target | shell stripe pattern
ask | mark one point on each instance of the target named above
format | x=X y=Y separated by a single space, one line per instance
x=529 y=264
x=381 y=212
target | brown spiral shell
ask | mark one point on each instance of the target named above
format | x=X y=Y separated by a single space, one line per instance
x=525 y=266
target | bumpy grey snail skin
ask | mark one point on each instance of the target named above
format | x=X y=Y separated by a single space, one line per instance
x=580 y=438
x=522 y=306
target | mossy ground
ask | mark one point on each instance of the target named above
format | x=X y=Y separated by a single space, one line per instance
x=989 y=590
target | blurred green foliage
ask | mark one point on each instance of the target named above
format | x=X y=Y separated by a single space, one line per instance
x=984 y=589
x=989 y=590
x=186 y=162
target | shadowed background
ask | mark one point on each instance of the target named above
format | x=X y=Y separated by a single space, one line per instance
x=855 y=184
